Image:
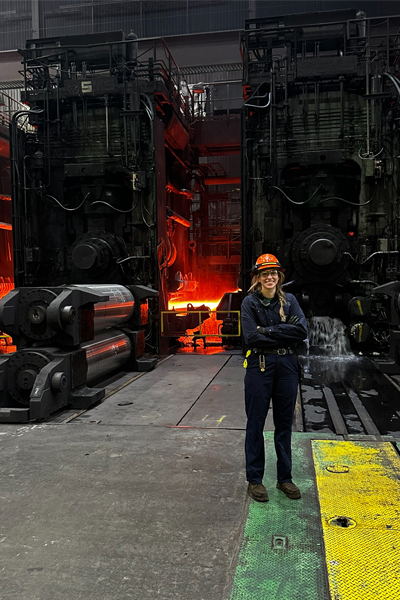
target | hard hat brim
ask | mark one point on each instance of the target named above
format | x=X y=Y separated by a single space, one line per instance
x=256 y=270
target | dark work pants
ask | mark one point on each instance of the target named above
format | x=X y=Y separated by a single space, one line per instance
x=279 y=381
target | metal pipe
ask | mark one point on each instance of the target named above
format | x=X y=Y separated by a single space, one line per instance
x=108 y=352
x=58 y=75
x=178 y=218
x=273 y=112
x=341 y=106
x=125 y=124
x=367 y=67
x=170 y=187
x=107 y=125
x=185 y=165
x=116 y=310
x=286 y=102
x=271 y=100
x=85 y=114
x=221 y=180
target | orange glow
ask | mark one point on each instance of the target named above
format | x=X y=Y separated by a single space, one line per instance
x=209 y=293
x=5 y=286
x=200 y=350
x=209 y=326
x=6 y=344
x=213 y=295
x=173 y=305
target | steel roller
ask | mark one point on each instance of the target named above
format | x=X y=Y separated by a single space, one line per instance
x=115 y=311
x=108 y=352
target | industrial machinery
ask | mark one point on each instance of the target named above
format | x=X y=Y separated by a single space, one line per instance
x=389 y=293
x=228 y=311
x=99 y=187
x=69 y=337
x=6 y=256
x=321 y=161
x=112 y=182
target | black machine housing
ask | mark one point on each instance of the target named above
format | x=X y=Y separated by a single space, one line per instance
x=93 y=159
x=321 y=162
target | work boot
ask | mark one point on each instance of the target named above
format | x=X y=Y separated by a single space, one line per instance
x=289 y=489
x=258 y=492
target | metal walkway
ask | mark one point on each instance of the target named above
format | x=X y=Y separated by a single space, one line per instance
x=341 y=540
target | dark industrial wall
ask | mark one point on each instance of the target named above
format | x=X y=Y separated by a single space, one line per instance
x=26 y=19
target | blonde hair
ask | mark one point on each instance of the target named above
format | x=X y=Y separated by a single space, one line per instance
x=256 y=286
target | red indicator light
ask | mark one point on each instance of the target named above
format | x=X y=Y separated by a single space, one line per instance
x=350 y=233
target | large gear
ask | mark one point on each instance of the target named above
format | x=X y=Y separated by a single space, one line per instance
x=22 y=369
x=93 y=256
x=319 y=253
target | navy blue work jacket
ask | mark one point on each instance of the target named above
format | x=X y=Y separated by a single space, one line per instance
x=279 y=334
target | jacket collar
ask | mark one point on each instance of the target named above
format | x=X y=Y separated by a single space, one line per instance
x=262 y=300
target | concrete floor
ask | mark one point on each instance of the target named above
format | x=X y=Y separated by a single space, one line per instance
x=120 y=503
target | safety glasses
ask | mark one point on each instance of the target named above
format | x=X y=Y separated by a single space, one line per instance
x=271 y=273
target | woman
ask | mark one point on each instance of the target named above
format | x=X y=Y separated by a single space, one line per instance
x=272 y=324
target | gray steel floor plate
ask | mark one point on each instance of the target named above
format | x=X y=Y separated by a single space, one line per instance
x=221 y=405
x=162 y=396
x=119 y=513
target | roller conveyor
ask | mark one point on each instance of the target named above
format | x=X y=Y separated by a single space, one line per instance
x=114 y=311
x=109 y=351
x=66 y=339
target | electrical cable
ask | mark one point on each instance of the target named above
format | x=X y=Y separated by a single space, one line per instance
x=348 y=201
x=366 y=281
x=150 y=113
x=64 y=207
x=367 y=156
x=144 y=220
x=122 y=260
x=395 y=81
x=371 y=256
x=147 y=102
x=255 y=91
x=257 y=106
x=114 y=208
x=292 y=201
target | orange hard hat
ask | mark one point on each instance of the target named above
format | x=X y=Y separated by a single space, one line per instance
x=267 y=261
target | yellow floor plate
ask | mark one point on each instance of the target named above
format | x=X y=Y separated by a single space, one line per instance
x=359 y=495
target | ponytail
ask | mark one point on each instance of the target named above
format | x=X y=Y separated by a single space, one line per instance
x=282 y=299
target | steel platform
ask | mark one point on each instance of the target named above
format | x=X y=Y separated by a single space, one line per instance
x=144 y=496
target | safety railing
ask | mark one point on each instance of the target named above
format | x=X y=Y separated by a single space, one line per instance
x=48 y=66
x=362 y=37
x=177 y=323
x=9 y=106
x=218 y=241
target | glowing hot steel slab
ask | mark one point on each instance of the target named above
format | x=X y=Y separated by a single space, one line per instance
x=359 y=494
x=172 y=305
